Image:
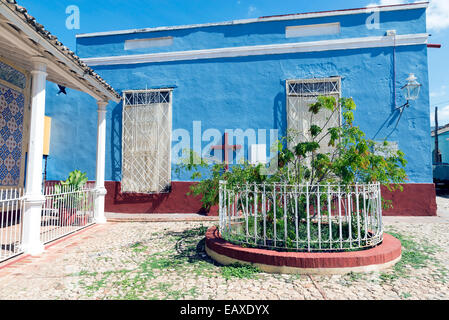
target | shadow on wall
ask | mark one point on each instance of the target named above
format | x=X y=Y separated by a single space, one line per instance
x=280 y=112
x=402 y=117
x=152 y=200
x=116 y=142
x=394 y=116
x=392 y=120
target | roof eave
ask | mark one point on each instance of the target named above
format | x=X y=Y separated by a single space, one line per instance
x=44 y=39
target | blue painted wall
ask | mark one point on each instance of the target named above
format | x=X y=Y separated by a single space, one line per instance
x=249 y=92
x=260 y=33
x=73 y=137
x=443 y=145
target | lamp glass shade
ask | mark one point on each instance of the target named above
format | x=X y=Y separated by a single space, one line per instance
x=412 y=88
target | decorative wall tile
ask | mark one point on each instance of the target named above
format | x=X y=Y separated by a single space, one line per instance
x=11 y=135
x=11 y=75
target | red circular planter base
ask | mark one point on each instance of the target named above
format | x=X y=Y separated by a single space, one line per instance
x=380 y=257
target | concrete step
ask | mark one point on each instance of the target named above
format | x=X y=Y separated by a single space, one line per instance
x=157 y=217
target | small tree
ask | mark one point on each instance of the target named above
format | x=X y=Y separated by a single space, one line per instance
x=208 y=187
x=352 y=158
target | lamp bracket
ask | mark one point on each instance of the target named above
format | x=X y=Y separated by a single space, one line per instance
x=405 y=105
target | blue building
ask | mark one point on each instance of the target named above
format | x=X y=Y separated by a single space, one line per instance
x=185 y=86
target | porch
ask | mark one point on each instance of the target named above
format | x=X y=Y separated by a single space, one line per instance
x=32 y=215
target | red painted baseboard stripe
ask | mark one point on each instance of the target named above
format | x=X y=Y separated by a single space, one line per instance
x=388 y=251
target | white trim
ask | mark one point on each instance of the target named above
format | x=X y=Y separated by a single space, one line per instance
x=145 y=90
x=312 y=46
x=299 y=16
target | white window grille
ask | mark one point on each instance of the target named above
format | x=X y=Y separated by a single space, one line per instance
x=146 y=141
x=300 y=95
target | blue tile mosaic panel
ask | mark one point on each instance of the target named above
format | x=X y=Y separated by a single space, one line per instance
x=13 y=76
x=11 y=135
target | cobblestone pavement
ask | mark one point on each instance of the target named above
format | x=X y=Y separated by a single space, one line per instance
x=166 y=260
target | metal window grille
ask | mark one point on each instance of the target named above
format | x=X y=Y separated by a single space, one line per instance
x=146 y=141
x=12 y=207
x=300 y=95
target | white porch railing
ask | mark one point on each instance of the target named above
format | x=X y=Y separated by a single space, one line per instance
x=12 y=205
x=66 y=210
x=302 y=217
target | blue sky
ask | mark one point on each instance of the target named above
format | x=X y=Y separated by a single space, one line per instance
x=107 y=15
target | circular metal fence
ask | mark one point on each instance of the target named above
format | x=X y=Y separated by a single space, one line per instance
x=301 y=217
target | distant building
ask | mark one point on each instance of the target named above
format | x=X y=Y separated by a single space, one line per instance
x=443 y=145
x=441 y=161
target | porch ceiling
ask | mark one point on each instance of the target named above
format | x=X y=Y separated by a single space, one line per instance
x=21 y=38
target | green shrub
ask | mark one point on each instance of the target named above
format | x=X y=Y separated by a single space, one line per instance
x=352 y=159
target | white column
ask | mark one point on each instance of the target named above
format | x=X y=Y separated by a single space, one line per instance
x=34 y=198
x=101 y=152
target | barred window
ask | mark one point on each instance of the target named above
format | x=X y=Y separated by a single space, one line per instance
x=300 y=95
x=313 y=87
x=146 y=141
x=146 y=97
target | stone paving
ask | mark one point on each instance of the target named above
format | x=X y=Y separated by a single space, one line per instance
x=166 y=260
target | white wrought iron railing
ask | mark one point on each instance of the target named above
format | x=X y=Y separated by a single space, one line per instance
x=12 y=207
x=301 y=217
x=66 y=210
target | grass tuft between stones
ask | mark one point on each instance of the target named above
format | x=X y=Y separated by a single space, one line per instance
x=241 y=271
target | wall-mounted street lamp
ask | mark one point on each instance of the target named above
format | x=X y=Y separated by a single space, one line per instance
x=411 y=89
x=411 y=93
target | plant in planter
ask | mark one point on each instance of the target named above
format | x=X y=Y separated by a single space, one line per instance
x=216 y=172
x=327 y=155
x=68 y=199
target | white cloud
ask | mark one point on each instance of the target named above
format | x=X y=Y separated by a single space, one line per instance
x=437 y=13
x=251 y=10
x=440 y=93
